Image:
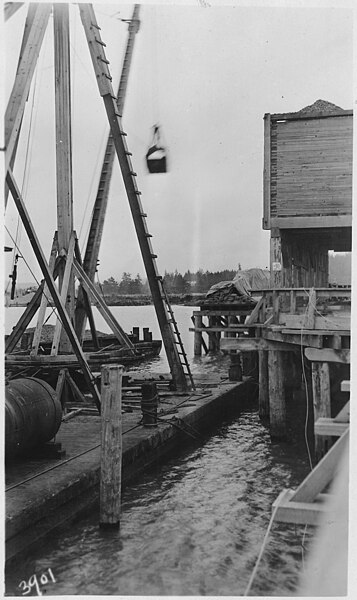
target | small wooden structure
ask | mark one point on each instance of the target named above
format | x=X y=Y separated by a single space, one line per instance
x=308 y=209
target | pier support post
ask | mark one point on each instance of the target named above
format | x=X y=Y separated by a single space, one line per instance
x=198 y=322
x=322 y=403
x=111 y=450
x=277 y=405
x=263 y=384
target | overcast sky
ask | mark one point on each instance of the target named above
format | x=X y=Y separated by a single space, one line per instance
x=207 y=76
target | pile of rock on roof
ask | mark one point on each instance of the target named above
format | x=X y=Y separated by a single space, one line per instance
x=237 y=291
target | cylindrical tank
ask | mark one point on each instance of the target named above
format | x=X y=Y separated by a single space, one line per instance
x=33 y=414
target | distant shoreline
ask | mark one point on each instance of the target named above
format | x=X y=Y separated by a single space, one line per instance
x=127 y=300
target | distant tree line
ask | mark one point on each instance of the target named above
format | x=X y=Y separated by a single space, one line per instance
x=175 y=283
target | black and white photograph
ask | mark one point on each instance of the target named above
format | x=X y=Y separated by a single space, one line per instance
x=177 y=271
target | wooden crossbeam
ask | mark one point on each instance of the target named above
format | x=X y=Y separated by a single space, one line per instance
x=15 y=192
x=344 y=414
x=327 y=355
x=44 y=301
x=255 y=312
x=25 y=71
x=326 y=426
x=250 y=344
x=101 y=305
x=64 y=291
x=24 y=320
x=323 y=473
x=300 y=513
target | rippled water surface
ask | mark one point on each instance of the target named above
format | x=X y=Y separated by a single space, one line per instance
x=192 y=526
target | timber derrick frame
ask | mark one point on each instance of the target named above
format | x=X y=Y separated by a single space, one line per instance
x=65 y=261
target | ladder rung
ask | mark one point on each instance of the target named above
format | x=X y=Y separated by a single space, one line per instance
x=100 y=42
x=148 y=235
x=128 y=153
x=103 y=60
x=153 y=255
x=118 y=114
x=143 y=214
x=108 y=77
x=95 y=25
x=133 y=173
x=138 y=194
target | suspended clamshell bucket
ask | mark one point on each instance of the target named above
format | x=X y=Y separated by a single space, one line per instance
x=156 y=155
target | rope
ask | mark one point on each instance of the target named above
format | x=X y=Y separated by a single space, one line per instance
x=64 y=462
x=263 y=546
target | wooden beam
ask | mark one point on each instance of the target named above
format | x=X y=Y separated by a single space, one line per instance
x=328 y=355
x=24 y=320
x=16 y=105
x=266 y=173
x=345 y=386
x=63 y=147
x=323 y=473
x=310 y=314
x=64 y=292
x=111 y=446
x=311 y=222
x=277 y=401
x=66 y=321
x=133 y=194
x=300 y=513
x=101 y=305
x=263 y=384
x=335 y=323
x=44 y=301
x=344 y=415
x=255 y=312
x=10 y=8
x=295 y=116
x=327 y=427
x=322 y=401
x=247 y=344
x=276 y=262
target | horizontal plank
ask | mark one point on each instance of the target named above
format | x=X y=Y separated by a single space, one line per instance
x=302 y=221
x=301 y=513
x=328 y=355
x=252 y=344
x=345 y=386
x=307 y=116
x=333 y=322
x=328 y=427
x=221 y=313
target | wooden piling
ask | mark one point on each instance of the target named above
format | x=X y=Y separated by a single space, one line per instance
x=263 y=384
x=198 y=335
x=111 y=449
x=322 y=402
x=277 y=406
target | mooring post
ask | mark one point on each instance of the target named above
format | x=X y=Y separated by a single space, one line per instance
x=277 y=405
x=321 y=395
x=149 y=402
x=263 y=384
x=111 y=449
x=198 y=322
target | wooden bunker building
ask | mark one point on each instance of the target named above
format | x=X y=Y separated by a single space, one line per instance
x=301 y=326
x=307 y=191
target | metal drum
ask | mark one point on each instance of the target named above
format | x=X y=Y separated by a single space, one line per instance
x=33 y=414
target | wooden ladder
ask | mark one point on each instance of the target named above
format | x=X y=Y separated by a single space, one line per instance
x=168 y=327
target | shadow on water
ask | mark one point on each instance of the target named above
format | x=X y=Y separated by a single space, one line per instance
x=192 y=525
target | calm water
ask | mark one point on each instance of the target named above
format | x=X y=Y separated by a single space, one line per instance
x=194 y=525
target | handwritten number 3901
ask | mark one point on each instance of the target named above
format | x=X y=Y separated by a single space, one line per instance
x=36 y=583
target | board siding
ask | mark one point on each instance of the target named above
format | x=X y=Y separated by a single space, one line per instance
x=311 y=167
